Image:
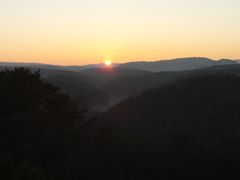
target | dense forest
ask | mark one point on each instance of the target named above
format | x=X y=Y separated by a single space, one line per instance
x=38 y=127
x=187 y=128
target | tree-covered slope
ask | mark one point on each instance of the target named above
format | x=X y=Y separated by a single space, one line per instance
x=188 y=129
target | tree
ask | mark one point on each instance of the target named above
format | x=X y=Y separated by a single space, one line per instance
x=38 y=124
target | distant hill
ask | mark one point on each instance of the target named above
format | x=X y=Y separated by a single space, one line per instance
x=36 y=66
x=105 y=74
x=83 y=92
x=179 y=64
x=80 y=87
x=100 y=84
x=129 y=86
x=74 y=68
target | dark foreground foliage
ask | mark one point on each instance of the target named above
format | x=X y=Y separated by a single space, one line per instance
x=189 y=129
x=38 y=126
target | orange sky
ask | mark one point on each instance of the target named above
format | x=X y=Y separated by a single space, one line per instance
x=75 y=32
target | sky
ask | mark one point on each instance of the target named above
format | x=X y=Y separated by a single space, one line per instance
x=76 y=32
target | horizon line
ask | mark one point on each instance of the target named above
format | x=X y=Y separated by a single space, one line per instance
x=61 y=65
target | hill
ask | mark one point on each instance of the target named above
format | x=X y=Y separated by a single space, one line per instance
x=105 y=74
x=74 y=68
x=187 y=129
x=80 y=87
x=122 y=88
x=97 y=85
x=80 y=90
x=179 y=64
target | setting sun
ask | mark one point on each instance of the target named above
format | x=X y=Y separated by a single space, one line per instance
x=108 y=62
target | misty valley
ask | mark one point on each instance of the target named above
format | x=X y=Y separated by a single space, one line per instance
x=168 y=119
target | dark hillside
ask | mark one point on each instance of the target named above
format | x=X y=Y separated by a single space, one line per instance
x=188 y=129
x=130 y=86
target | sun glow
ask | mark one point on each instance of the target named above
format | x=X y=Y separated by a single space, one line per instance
x=108 y=62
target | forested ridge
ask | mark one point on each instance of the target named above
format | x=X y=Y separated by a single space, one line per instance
x=189 y=128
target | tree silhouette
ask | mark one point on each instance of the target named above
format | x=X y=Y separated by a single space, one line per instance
x=38 y=125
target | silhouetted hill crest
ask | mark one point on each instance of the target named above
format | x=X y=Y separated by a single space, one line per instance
x=178 y=64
